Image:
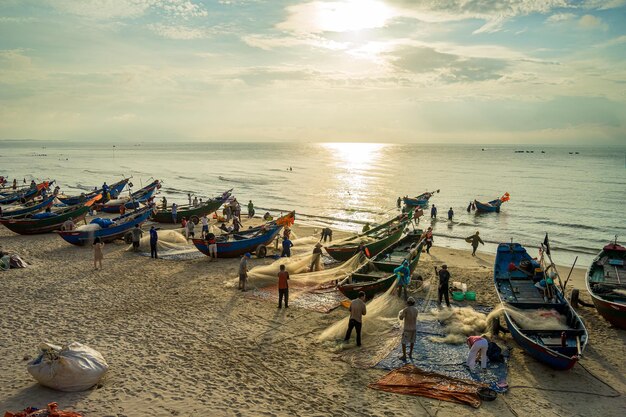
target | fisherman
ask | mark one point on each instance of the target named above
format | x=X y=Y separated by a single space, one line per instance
x=399 y=202
x=433 y=212
x=189 y=198
x=428 y=238
x=444 y=280
x=283 y=287
x=33 y=184
x=14 y=184
x=205 y=224
x=154 y=238
x=403 y=272
x=183 y=223
x=122 y=209
x=409 y=329
x=474 y=240
x=317 y=257
x=366 y=228
x=450 y=214
x=137 y=233
x=195 y=201
x=105 y=191
x=190 y=229
x=68 y=225
x=478 y=348
x=250 y=209
x=228 y=212
x=174 y=212
x=287 y=232
x=287 y=244
x=243 y=271
x=212 y=246
x=236 y=224
x=267 y=216
x=363 y=249
x=469 y=207
x=164 y=203
x=357 y=311
x=327 y=233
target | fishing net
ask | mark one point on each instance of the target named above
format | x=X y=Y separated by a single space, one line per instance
x=168 y=240
x=117 y=201
x=458 y=324
x=543 y=319
x=91 y=227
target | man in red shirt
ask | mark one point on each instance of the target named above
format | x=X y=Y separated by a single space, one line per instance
x=283 y=287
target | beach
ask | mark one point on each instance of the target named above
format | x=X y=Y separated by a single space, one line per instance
x=180 y=342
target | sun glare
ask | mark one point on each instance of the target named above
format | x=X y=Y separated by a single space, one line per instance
x=355 y=155
x=351 y=15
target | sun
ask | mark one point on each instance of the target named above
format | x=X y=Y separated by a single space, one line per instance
x=351 y=15
x=355 y=156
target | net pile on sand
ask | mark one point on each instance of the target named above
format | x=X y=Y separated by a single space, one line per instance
x=298 y=268
x=91 y=227
x=172 y=245
x=459 y=323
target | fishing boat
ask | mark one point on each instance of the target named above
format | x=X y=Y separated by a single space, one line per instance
x=228 y=247
x=114 y=191
x=375 y=240
x=606 y=282
x=164 y=215
x=49 y=221
x=133 y=201
x=419 y=201
x=29 y=208
x=24 y=196
x=492 y=206
x=377 y=275
x=518 y=279
x=106 y=229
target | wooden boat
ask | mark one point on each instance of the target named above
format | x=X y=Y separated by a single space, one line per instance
x=231 y=248
x=191 y=212
x=285 y=220
x=114 y=190
x=139 y=196
x=515 y=274
x=492 y=206
x=383 y=235
x=419 y=201
x=106 y=229
x=47 y=222
x=29 y=208
x=25 y=195
x=377 y=276
x=606 y=282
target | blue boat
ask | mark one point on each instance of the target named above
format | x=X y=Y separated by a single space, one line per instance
x=139 y=196
x=232 y=248
x=491 y=207
x=29 y=208
x=114 y=190
x=106 y=229
x=558 y=343
x=419 y=201
x=25 y=195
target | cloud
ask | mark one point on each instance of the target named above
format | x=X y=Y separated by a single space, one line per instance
x=560 y=17
x=273 y=42
x=118 y=9
x=180 y=32
x=592 y=22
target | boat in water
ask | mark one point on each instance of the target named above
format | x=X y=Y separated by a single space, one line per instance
x=492 y=206
x=377 y=275
x=540 y=319
x=106 y=229
x=606 y=283
x=420 y=201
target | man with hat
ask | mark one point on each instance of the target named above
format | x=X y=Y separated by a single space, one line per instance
x=317 y=258
x=409 y=316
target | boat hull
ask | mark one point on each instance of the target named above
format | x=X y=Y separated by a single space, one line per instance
x=31 y=226
x=236 y=248
x=111 y=233
x=344 y=252
x=21 y=213
x=114 y=191
x=491 y=207
x=559 y=349
x=140 y=196
x=369 y=288
x=613 y=311
x=207 y=207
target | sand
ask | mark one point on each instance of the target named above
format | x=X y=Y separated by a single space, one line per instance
x=179 y=343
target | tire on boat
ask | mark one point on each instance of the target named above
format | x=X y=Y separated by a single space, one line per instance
x=195 y=219
x=128 y=238
x=261 y=251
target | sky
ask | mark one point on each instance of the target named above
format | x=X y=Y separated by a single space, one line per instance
x=453 y=71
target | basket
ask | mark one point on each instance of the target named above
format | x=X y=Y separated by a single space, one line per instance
x=457 y=296
x=470 y=296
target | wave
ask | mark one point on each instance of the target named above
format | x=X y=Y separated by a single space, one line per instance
x=571 y=225
x=250 y=181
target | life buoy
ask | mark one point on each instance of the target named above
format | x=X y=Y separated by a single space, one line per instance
x=261 y=251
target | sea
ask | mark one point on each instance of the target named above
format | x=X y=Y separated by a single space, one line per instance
x=577 y=195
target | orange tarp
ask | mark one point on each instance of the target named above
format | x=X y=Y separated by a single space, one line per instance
x=411 y=380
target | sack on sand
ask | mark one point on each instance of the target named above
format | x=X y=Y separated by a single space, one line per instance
x=74 y=367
